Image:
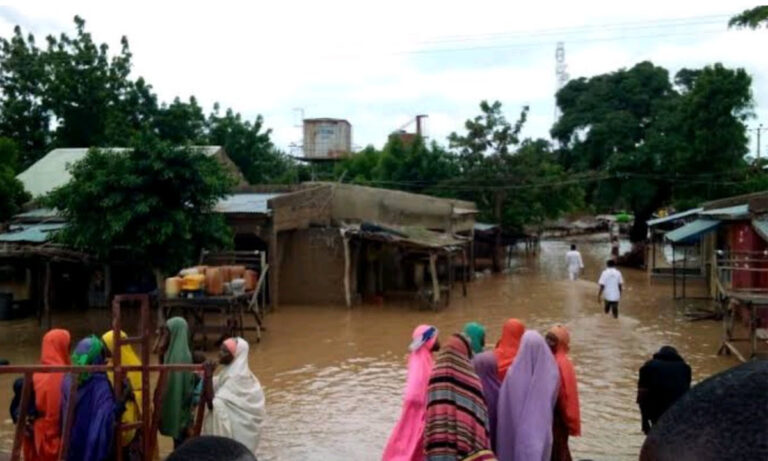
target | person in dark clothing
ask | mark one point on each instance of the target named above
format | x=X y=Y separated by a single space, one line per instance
x=663 y=380
x=724 y=417
x=15 y=409
x=211 y=448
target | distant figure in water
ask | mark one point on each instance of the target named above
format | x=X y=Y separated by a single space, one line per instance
x=211 y=448
x=407 y=440
x=567 y=418
x=611 y=285
x=663 y=380
x=615 y=248
x=574 y=263
x=722 y=418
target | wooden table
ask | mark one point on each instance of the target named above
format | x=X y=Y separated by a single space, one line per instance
x=232 y=308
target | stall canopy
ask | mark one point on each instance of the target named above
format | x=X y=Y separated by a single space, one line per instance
x=692 y=231
x=673 y=217
x=728 y=213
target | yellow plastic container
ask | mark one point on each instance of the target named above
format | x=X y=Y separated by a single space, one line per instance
x=172 y=287
x=193 y=282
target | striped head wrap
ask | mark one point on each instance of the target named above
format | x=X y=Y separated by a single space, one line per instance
x=457 y=418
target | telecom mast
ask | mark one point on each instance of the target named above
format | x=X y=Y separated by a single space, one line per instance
x=561 y=72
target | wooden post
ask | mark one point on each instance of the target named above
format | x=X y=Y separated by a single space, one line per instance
x=347 y=289
x=18 y=439
x=69 y=419
x=47 y=294
x=465 y=272
x=435 y=281
x=117 y=382
x=685 y=268
x=472 y=255
x=274 y=264
x=674 y=274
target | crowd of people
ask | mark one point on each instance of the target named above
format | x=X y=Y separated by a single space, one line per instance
x=516 y=402
x=238 y=400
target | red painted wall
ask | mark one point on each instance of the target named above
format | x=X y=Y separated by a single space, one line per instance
x=743 y=238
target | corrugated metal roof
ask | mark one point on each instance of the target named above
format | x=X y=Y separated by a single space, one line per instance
x=691 y=232
x=731 y=212
x=51 y=172
x=38 y=214
x=761 y=227
x=673 y=217
x=482 y=227
x=409 y=235
x=34 y=233
x=245 y=203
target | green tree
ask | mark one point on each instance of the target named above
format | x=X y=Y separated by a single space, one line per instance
x=12 y=193
x=250 y=147
x=85 y=87
x=752 y=18
x=181 y=122
x=155 y=201
x=23 y=77
x=513 y=183
x=653 y=142
x=412 y=165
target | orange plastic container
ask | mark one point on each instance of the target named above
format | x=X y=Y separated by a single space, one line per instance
x=214 y=283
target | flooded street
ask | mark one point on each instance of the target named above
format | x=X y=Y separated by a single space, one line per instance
x=334 y=377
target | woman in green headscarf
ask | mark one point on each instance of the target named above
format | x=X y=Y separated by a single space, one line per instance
x=176 y=415
x=476 y=333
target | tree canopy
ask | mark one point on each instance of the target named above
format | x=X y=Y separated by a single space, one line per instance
x=154 y=202
x=752 y=18
x=12 y=194
x=76 y=93
x=656 y=141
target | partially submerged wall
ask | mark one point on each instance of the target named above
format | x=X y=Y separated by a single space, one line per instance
x=312 y=267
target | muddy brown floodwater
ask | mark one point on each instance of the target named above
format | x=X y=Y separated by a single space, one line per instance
x=334 y=377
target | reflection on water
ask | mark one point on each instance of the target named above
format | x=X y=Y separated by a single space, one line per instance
x=334 y=377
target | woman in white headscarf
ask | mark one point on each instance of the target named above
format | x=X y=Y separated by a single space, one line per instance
x=238 y=403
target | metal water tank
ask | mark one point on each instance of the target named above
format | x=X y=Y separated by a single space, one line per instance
x=327 y=138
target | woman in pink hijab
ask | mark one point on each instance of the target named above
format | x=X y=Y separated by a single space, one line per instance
x=527 y=402
x=406 y=442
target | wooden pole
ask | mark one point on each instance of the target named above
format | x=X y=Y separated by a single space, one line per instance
x=18 y=439
x=69 y=418
x=674 y=274
x=347 y=264
x=464 y=272
x=435 y=281
x=685 y=268
x=117 y=382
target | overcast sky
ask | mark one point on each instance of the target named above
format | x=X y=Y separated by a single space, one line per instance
x=378 y=64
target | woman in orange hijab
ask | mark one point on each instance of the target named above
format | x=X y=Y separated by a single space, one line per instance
x=46 y=440
x=507 y=347
x=567 y=420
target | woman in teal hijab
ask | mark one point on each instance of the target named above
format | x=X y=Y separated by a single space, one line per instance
x=176 y=414
x=476 y=333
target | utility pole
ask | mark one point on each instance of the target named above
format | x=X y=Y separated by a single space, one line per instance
x=759 y=129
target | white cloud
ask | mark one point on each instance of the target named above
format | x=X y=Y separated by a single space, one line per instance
x=356 y=60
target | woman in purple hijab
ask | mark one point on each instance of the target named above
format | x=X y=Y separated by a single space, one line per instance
x=527 y=402
x=95 y=406
x=487 y=370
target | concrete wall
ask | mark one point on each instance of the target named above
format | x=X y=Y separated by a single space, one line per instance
x=312 y=267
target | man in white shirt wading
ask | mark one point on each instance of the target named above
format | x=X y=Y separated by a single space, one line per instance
x=574 y=263
x=611 y=285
